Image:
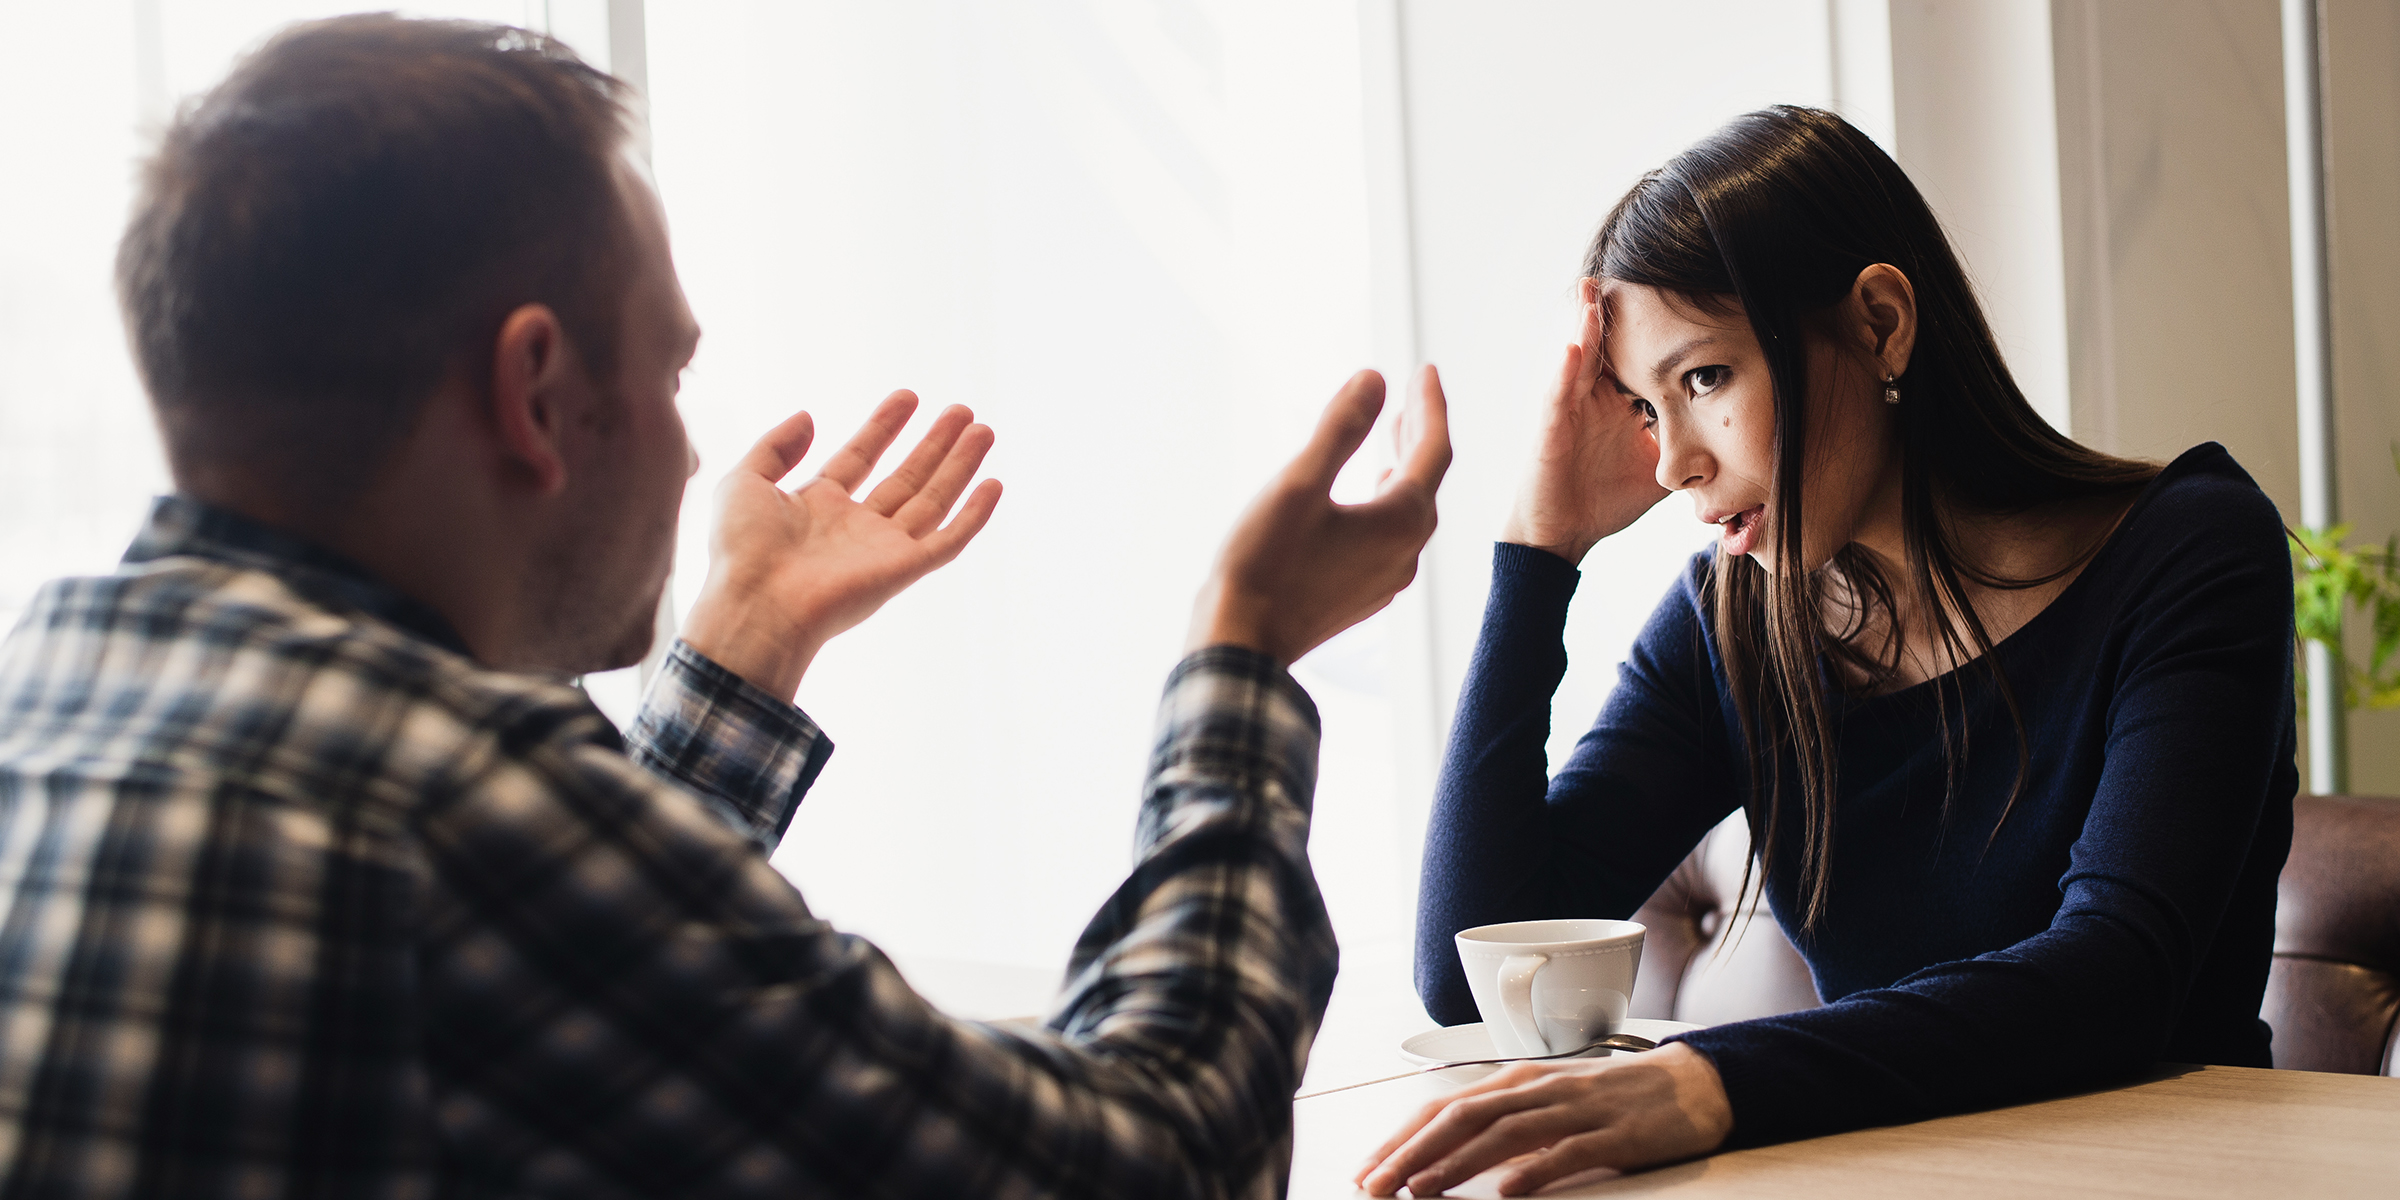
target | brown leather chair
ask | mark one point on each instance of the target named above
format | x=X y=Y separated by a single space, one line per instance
x=2333 y=990
x=2333 y=993
x=1704 y=960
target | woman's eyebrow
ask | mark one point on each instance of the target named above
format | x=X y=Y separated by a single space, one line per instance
x=1674 y=358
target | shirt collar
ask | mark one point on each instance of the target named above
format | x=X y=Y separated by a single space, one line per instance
x=181 y=525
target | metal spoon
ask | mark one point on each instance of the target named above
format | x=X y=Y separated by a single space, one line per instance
x=1615 y=1041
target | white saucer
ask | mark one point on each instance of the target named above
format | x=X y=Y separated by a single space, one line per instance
x=1466 y=1043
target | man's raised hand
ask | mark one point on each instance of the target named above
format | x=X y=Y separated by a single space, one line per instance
x=1299 y=568
x=788 y=570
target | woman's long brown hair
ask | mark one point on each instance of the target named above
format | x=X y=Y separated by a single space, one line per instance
x=1775 y=215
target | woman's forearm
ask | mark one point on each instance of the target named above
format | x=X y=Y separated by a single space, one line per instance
x=1507 y=841
x=1483 y=842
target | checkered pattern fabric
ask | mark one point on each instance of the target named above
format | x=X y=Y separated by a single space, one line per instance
x=298 y=900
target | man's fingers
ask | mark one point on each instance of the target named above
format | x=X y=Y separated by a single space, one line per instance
x=1341 y=430
x=1425 y=452
x=850 y=465
x=910 y=476
x=1424 y=434
x=946 y=542
x=931 y=503
x=772 y=457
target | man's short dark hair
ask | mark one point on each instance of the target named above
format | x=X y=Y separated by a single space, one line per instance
x=345 y=220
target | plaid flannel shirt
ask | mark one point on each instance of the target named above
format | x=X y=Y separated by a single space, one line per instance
x=296 y=899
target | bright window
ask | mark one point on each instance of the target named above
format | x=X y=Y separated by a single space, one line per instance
x=1144 y=239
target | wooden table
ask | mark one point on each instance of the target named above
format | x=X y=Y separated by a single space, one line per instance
x=2189 y=1132
x=2182 y=1133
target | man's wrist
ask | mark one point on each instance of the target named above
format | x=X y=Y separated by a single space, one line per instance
x=1223 y=618
x=727 y=630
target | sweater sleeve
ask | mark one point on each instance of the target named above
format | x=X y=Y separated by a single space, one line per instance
x=2198 y=774
x=1508 y=843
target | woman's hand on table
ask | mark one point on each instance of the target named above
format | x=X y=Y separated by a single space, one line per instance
x=1565 y=1117
x=1596 y=470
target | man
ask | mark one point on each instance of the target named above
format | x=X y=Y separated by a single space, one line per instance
x=320 y=880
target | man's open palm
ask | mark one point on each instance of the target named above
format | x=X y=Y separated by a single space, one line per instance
x=1299 y=568
x=788 y=570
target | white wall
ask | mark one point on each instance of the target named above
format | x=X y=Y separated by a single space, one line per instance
x=2179 y=284
x=1977 y=130
x=1526 y=121
x=2111 y=173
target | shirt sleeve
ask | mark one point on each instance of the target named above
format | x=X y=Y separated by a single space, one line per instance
x=1508 y=842
x=2197 y=774
x=627 y=1000
x=750 y=756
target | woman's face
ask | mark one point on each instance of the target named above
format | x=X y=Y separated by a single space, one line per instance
x=1702 y=381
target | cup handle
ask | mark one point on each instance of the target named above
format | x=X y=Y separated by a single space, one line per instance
x=1516 y=1001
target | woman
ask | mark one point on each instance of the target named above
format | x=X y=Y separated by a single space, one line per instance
x=2011 y=719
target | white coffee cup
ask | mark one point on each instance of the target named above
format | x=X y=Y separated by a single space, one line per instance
x=1547 y=987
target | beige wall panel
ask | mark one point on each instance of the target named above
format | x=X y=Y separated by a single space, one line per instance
x=1976 y=131
x=2172 y=178
x=2362 y=130
x=2177 y=230
x=1525 y=122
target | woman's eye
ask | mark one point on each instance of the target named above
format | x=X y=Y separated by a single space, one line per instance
x=1648 y=414
x=1700 y=381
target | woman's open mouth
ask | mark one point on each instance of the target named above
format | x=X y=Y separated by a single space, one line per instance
x=1738 y=534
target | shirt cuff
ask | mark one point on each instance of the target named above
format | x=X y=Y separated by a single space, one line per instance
x=712 y=731
x=1233 y=712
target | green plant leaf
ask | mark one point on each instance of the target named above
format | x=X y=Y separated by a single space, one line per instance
x=2329 y=579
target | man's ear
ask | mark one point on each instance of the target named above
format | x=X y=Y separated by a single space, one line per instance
x=1885 y=305
x=531 y=368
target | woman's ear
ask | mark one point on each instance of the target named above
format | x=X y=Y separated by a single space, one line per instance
x=1884 y=306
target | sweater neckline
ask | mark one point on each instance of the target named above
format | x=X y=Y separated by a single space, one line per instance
x=2192 y=461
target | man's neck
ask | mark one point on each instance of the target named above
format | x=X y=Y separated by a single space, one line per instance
x=428 y=540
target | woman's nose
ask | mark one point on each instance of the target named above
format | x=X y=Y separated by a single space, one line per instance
x=1681 y=462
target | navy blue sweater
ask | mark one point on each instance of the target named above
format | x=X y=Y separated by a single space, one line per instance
x=2123 y=914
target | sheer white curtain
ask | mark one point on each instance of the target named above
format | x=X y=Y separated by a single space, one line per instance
x=85 y=87
x=1132 y=237
x=1129 y=234
x=78 y=461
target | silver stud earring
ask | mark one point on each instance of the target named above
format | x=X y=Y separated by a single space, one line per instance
x=1891 y=389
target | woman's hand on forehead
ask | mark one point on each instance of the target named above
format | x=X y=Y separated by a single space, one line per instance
x=1595 y=464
